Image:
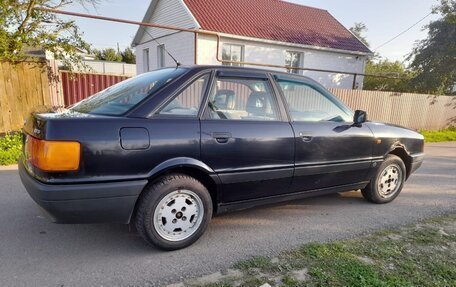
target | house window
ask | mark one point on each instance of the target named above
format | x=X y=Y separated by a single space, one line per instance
x=234 y=53
x=161 y=56
x=146 y=63
x=294 y=60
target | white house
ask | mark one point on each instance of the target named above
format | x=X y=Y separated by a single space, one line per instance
x=272 y=32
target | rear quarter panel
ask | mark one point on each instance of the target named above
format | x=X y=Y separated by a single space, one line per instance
x=102 y=156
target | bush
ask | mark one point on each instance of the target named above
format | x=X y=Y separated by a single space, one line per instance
x=10 y=148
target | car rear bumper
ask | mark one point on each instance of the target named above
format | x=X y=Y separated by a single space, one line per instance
x=84 y=203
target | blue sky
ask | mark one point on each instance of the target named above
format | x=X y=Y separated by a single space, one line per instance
x=384 y=19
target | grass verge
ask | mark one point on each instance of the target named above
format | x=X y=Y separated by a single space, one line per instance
x=422 y=254
x=10 y=148
x=445 y=135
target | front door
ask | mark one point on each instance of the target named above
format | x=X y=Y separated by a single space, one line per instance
x=245 y=137
x=330 y=150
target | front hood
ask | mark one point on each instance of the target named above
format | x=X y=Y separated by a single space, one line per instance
x=388 y=124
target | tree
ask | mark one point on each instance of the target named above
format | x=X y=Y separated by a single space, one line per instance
x=358 y=30
x=434 y=59
x=108 y=54
x=391 y=69
x=128 y=56
x=22 y=26
x=382 y=67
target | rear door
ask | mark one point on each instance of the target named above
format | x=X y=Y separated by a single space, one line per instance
x=245 y=136
x=330 y=150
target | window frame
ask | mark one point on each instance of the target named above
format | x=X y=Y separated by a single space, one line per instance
x=317 y=87
x=231 y=58
x=243 y=75
x=177 y=92
x=300 y=62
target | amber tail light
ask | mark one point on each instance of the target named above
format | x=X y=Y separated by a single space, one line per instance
x=53 y=155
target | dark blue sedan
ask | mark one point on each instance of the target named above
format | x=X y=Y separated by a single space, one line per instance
x=167 y=149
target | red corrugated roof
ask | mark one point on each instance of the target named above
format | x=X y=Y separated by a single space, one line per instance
x=274 y=20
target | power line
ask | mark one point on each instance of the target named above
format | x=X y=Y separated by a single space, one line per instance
x=402 y=33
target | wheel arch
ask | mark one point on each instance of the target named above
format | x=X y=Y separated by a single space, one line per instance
x=191 y=167
x=400 y=151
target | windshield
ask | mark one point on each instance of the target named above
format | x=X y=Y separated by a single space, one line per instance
x=120 y=98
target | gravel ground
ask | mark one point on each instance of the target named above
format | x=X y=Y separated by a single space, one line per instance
x=35 y=252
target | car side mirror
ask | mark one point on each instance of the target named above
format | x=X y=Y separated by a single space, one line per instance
x=359 y=118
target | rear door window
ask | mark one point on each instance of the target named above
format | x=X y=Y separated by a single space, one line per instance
x=242 y=99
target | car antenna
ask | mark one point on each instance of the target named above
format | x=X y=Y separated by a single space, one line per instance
x=164 y=48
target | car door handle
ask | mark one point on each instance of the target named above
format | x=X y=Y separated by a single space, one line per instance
x=305 y=137
x=221 y=137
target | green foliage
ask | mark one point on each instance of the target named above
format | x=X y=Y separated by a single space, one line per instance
x=23 y=27
x=256 y=262
x=445 y=135
x=358 y=30
x=109 y=54
x=434 y=59
x=391 y=69
x=128 y=56
x=10 y=148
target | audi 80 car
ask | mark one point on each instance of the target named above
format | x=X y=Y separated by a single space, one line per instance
x=167 y=149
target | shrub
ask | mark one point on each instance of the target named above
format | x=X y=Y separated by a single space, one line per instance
x=10 y=148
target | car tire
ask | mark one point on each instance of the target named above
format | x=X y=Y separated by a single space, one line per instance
x=387 y=183
x=173 y=212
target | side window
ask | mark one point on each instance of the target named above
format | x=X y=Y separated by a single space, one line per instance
x=146 y=63
x=231 y=52
x=242 y=99
x=161 y=56
x=309 y=105
x=187 y=102
x=294 y=60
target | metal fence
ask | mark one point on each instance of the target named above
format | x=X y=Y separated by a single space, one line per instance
x=415 y=111
x=78 y=86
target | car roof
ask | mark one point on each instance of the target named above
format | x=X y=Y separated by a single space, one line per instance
x=199 y=68
x=235 y=68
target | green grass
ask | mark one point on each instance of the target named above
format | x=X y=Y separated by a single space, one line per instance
x=422 y=254
x=445 y=135
x=10 y=148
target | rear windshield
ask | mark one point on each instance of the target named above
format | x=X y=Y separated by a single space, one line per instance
x=120 y=98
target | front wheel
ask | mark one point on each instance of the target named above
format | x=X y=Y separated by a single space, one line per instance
x=173 y=212
x=388 y=182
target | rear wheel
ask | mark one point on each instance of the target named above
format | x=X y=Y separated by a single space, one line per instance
x=388 y=182
x=173 y=212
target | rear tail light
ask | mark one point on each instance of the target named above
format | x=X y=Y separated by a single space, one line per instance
x=53 y=155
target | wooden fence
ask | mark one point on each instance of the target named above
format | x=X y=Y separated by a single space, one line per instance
x=26 y=87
